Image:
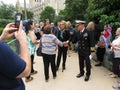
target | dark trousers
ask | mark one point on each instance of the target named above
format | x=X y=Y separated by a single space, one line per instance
x=84 y=55
x=62 y=51
x=116 y=66
x=100 y=54
x=49 y=59
x=32 y=61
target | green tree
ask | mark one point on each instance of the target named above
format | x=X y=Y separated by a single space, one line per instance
x=75 y=9
x=7 y=11
x=47 y=13
x=29 y=15
x=105 y=11
x=61 y=15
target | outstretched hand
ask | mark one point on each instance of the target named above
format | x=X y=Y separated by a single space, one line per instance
x=65 y=44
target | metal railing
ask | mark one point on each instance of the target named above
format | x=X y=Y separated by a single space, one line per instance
x=14 y=44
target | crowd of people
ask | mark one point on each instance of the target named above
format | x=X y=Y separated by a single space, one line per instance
x=54 y=39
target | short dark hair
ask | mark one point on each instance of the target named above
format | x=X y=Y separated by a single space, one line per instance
x=47 y=29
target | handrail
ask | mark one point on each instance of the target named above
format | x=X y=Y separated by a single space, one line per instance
x=14 y=44
x=11 y=41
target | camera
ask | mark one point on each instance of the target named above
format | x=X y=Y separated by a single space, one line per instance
x=18 y=18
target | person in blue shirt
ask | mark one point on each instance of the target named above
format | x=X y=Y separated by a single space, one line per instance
x=12 y=66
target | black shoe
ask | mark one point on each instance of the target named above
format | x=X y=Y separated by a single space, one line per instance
x=63 y=69
x=46 y=80
x=79 y=75
x=98 y=64
x=86 y=78
x=56 y=68
x=54 y=76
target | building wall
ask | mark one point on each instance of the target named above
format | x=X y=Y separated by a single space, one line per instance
x=38 y=5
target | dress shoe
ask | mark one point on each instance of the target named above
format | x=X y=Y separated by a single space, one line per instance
x=86 y=78
x=63 y=69
x=79 y=75
x=47 y=79
x=56 y=68
x=54 y=77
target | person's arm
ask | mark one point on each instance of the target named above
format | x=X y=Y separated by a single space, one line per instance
x=24 y=54
x=21 y=37
x=58 y=42
x=116 y=47
x=32 y=37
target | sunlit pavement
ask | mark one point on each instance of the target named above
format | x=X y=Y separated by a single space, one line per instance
x=99 y=79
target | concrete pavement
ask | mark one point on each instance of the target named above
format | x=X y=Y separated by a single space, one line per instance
x=67 y=80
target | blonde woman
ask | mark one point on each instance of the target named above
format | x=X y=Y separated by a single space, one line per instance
x=63 y=35
x=90 y=26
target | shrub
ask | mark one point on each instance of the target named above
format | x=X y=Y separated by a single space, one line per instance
x=4 y=22
x=1 y=29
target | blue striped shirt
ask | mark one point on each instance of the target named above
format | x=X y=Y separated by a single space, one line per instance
x=49 y=44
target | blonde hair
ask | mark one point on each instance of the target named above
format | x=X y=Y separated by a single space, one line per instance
x=90 y=26
x=118 y=29
x=68 y=24
x=63 y=22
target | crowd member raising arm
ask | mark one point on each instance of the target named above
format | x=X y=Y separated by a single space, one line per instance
x=12 y=66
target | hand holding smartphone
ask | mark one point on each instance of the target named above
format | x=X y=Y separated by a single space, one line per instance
x=18 y=18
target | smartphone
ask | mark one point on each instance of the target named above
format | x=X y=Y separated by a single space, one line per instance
x=18 y=18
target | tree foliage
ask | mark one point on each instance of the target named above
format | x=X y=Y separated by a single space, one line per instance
x=99 y=11
x=7 y=11
x=29 y=14
x=61 y=15
x=75 y=9
x=47 y=13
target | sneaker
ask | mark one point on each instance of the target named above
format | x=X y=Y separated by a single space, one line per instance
x=28 y=79
x=35 y=72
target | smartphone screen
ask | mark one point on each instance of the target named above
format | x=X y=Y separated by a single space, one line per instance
x=18 y=18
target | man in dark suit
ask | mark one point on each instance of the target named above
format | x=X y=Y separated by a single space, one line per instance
x=85 y=47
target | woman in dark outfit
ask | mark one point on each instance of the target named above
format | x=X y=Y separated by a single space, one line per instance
x=63 y=35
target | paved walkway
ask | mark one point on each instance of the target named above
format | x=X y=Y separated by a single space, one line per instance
x=67 y=80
